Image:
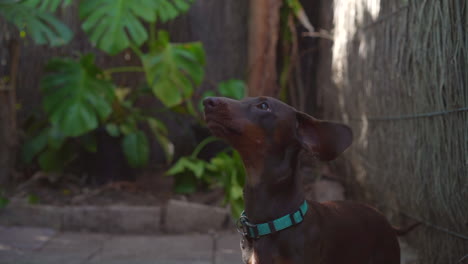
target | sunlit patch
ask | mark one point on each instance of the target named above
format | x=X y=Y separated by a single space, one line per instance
x=4 y=247
x=42 y=238
x=253 y=258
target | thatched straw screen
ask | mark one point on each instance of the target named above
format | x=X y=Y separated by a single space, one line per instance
x=400 y=73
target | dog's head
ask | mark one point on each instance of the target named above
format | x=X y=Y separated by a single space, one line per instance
x=264 y=124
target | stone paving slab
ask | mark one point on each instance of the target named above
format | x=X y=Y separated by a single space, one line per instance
x=178 y=217
x=25 y=238
x=112 y=219
x=31 y=215
x=196 y=249
x=228 y=248
x=17 y=243
x=183 y=217
x=45 y=246
x=70 y=248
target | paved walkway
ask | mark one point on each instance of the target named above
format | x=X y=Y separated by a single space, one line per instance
x=27 y=245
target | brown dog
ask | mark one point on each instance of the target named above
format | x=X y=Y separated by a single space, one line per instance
x=278 y=225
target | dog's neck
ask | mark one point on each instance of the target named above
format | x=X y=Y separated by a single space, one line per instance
x=273 y=185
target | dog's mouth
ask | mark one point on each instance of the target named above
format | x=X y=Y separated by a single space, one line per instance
x=221 y=128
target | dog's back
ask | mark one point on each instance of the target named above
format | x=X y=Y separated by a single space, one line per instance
x=352 y=232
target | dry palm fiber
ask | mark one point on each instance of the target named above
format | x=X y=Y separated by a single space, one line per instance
x=400 y=73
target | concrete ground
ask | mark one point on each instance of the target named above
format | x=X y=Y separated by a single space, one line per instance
x=25 y=245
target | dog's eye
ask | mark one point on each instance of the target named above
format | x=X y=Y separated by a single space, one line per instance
x=263 y=106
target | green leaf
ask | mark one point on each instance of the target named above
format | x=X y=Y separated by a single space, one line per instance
x=114 y=25
x=167 y=147
x=237 y=207
x=113 y=130
x=4 y=202
x=74 y=97
x=236 y=189
x=174 y=70
x=89 y=142
x=177 y=168
x=197 y=167
x=188 y=164
x=160 y=132
x=221 y=161
x=48 y=5
x=126 y=128
x=232 y=88
x=51 y=160
x=157 y=126
x=136 y=149
x=185 y=183
x=33 y=199
x=300 y=14
x=33 y=18
x=34 y=146
x=56 y=138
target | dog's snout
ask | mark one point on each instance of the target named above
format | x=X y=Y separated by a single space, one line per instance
x=211 y=103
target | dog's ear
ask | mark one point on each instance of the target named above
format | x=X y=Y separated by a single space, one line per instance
x=325 y=139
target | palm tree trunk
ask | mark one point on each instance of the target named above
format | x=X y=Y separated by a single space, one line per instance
x=264 y=21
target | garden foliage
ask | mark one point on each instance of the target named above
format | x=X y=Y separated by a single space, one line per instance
x=80 y=98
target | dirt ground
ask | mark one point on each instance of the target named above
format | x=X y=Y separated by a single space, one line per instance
x=147 y=190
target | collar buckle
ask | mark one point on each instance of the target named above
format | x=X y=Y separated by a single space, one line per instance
x=243 y=225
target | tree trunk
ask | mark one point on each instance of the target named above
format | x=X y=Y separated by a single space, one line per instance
x=8 y=113
x=263 y=39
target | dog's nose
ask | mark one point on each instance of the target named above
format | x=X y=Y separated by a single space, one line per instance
x=211 y=102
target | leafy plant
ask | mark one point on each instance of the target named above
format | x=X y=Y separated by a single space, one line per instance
x=76 y=95
x=124 y=122
x=225 y=169
x=190 y=171
x=34 y=18
x=229 y=171
x=46 y=143
x=79 y=98
x=172 y=70
x=135 y=147
x=4 y=201
x=116 y=25
x=33 y=199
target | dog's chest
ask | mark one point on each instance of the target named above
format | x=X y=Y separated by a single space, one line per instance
x=262 y=254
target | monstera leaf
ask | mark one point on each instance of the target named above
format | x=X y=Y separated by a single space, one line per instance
x=75 y=98
x=114 y=25
x=47 y=5
x=173 y=70
x=168 y=10
x=34 y=18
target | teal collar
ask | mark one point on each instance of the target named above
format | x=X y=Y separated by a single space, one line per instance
x=257 y=230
